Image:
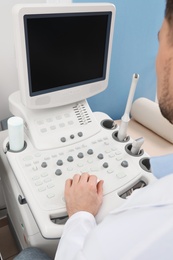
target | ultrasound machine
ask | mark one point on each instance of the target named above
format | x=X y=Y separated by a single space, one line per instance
x=63 y=57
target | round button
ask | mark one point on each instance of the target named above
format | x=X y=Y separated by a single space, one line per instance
x=63 y=139
x=58 y=172
x=71 y=136
x=70 y=159
x=44 y=164
x=105 y=165
x=59 y=162
x=80 y=134
x=80 y=155
x=100 y=156
x=124 y=164
x=90 y=151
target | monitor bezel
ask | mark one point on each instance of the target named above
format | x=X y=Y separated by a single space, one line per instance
x=66 y=95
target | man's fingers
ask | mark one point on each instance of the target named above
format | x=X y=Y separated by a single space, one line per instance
x=84 y=177
x=76 y=178
x=100 y=188
x=93 y=180
x=68 y=183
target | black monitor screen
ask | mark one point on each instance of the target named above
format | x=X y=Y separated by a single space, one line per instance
x=66 y=50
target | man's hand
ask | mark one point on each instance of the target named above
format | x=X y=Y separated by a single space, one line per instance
x=83 y=193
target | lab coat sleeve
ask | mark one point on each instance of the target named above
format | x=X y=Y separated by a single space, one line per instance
x=75 y=231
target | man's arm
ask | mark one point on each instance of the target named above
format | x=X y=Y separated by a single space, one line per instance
x=83 y=197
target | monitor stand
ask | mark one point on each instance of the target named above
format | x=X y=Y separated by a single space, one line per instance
x=56 y=127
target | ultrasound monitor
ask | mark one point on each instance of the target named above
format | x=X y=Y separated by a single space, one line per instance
x=62 y=52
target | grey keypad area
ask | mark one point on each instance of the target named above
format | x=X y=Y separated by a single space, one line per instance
x=47 y=171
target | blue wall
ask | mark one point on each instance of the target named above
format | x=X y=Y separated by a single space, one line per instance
x=134 y=51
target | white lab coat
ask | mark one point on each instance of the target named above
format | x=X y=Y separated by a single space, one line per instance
x=141 y=229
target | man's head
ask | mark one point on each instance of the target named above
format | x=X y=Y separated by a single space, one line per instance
x=164 y=64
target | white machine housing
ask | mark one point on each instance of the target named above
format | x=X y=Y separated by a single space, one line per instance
x=63 y=138
x=41 y=174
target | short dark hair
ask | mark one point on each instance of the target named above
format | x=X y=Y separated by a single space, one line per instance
x=169 y=19
x=169 y=12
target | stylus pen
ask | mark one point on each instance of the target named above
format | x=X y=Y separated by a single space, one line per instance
x=122 y=133
x=136 y=145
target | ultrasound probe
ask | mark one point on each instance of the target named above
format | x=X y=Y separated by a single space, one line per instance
x=136 y=145
x=122 y=133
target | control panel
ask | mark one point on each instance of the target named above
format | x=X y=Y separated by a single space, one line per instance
x=41 y=174
x=55 y=127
